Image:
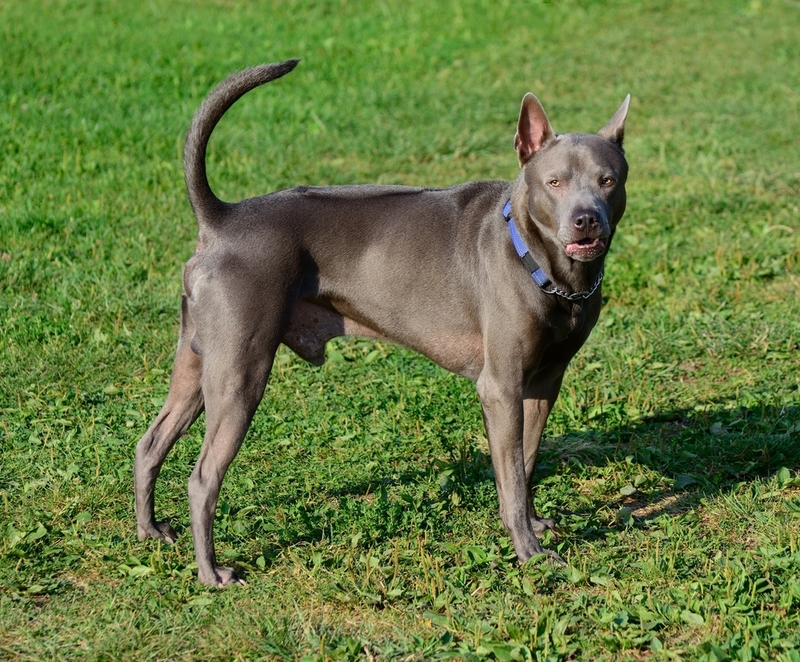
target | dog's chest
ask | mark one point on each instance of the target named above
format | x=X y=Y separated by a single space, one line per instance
x=569 y=323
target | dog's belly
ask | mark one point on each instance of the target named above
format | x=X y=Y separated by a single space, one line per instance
x=312 y=325
x=458 y=353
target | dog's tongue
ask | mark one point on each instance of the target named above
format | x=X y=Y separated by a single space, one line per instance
x=586 y=248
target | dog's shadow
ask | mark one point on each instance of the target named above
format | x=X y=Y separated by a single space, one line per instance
x=666 y=463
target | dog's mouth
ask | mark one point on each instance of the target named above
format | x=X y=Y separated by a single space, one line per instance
x=586 y=249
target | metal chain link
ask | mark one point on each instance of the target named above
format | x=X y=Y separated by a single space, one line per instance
x=575 y=295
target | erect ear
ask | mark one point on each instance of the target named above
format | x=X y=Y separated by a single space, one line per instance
x=615 y=129
x=533 y=129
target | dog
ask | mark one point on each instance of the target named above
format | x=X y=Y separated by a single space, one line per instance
x=497 y=281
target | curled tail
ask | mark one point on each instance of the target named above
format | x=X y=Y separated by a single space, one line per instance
x=208 y=207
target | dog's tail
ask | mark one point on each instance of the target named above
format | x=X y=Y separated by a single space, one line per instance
x=207 y=206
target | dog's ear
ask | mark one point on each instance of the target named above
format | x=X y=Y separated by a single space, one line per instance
x=533 y=129
x=615 y=129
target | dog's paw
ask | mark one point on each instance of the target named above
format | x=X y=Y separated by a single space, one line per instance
x=554 y=558
x=542 y=524
x=159 y=531
x=220 y=577
x=545 y=555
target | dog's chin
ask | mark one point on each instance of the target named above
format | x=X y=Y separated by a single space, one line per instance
x=586 y=250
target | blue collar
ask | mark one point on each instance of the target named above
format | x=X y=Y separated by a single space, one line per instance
x=535 y=270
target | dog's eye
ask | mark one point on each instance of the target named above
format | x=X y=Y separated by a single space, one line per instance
x=607 y=181
x=554 y=183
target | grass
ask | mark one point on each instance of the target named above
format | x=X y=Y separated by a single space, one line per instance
x=362 y=509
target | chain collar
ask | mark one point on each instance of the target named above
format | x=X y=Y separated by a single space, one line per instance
x=575 y=295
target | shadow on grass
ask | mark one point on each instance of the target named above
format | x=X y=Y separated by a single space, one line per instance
x=704 y=451
x=689 y=454
x=694 y=454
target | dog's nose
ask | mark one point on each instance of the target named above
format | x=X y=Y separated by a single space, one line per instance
x=585 y=220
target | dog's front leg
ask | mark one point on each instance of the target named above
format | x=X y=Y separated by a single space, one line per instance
x=539 y=401
x=503 y=417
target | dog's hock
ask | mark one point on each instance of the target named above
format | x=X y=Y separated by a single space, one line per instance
x=533 y=129
x=615 y=129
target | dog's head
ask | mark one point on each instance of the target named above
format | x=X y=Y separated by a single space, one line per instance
x=576 y=182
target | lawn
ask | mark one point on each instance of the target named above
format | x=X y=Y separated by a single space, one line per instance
x=362 y=510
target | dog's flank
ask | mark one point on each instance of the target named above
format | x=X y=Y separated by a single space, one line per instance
x=432 y=269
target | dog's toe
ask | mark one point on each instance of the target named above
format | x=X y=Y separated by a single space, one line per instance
x=221 y=577
x=167 y=532
x=158 y=531
x=541 y=524
x=554 y=558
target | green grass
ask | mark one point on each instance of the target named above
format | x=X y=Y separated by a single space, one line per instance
x=362 y=509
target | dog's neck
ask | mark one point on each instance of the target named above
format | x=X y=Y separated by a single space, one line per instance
x=580 y=283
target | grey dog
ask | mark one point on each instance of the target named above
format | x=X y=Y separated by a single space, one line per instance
x=496 y=281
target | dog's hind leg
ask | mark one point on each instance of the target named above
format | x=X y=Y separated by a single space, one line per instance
x=233 y=387
x=182 y=407
x=240 y=322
